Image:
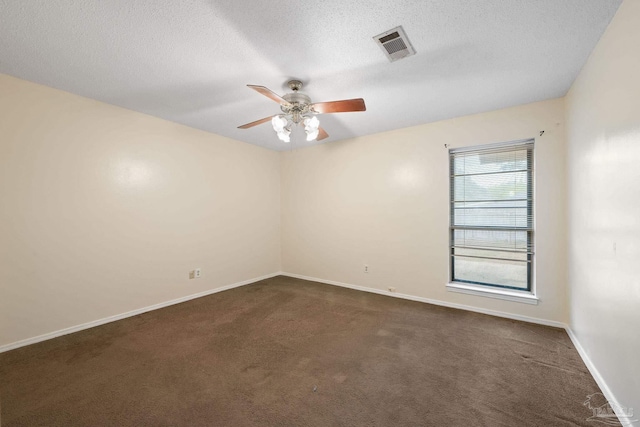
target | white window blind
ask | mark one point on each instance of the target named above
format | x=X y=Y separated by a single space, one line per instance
x=491 y=221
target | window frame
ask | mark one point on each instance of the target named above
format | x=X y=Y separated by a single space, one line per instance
x=519 y=294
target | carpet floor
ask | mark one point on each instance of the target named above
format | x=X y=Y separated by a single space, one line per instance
x=288 y=352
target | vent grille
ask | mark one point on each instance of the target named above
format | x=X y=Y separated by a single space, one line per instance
x=395 y=44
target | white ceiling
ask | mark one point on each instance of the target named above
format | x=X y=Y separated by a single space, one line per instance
x=190 y=61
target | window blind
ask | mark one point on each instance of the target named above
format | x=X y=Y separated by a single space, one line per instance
x=491 y=215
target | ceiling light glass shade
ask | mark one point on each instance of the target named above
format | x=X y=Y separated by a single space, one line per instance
x=283 y=135
x=312 y=135
x=281 y=125
x=311 y=126
x=278 y=123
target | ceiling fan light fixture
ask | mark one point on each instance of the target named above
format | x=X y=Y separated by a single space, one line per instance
x=299 y=110
x=282 y=125
x=311 y=123
x=284 y=136
x=312 y=135
x=279 y=123
x=311 y=127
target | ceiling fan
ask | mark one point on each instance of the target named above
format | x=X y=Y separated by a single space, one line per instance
x=297 y=108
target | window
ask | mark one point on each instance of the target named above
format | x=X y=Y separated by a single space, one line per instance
x=491 y=216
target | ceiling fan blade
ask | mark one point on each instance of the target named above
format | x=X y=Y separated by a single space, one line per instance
x=256 y=123
x=344 y=106
x=270 y=94
x=322 y=134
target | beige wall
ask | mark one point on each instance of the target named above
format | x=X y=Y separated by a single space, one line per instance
x=603 y=136
x=382 y=200
x=104 y=210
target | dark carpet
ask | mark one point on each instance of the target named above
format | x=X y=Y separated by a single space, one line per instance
x=288 y=352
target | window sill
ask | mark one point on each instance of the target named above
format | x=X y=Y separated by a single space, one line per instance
x=524 y=297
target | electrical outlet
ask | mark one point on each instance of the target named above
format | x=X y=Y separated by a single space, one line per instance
x=198 y=273
x=392 y=289
x=366 y=268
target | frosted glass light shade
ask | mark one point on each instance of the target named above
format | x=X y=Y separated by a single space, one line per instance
x=311 y=124
x=278 y=123
x=283 y=135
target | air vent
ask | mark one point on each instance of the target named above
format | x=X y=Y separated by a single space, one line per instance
x=395 y=44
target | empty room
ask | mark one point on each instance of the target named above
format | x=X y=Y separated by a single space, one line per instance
x=337 y=213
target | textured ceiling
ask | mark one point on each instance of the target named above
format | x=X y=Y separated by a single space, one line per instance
x=190 y=61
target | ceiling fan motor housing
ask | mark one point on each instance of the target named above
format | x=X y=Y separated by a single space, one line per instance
x=299 y=105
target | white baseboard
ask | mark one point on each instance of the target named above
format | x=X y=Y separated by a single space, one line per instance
x=606 y=391
x=110 y=319
x=434 y=301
